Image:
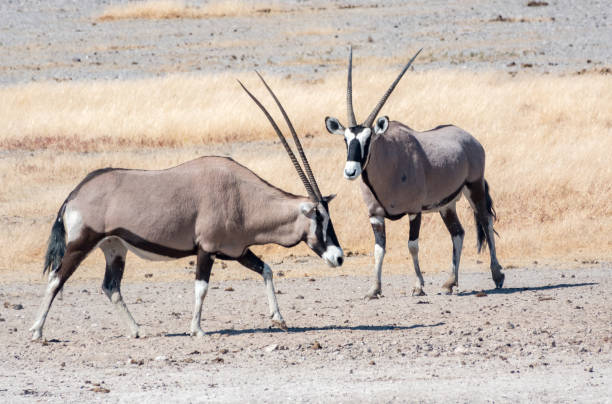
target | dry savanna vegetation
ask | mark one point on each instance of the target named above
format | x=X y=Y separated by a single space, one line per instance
x=547 y=138
x=167 y=9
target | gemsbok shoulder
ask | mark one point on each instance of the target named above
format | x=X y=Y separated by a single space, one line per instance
x=211 y=207
x=406 y=172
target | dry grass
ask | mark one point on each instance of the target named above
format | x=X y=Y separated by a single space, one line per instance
x=169 y=9
x=547 y=140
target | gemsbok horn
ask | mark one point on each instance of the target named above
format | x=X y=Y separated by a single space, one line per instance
x=406 y=172
x=211 y=207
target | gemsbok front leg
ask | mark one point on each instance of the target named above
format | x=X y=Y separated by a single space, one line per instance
x=378 y=227
x=449 y=215
x=114 y=253
x=413 y=247
x=203 y=267
x=251 y=261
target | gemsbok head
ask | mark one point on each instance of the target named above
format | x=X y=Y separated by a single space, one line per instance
x=210 y=207
x=406 y=172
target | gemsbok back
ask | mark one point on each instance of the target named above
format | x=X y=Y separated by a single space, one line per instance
x=211 y=207
x=406 y=172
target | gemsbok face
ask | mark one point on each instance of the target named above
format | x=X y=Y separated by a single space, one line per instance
x=321 y=237
x=359 y=137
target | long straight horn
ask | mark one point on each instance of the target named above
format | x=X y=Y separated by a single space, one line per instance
x=349 y=91
x=298 y=144
x=368 y=122
x=297 y=166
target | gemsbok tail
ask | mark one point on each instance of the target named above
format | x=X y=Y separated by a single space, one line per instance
x=56 y=247
x=481 y=227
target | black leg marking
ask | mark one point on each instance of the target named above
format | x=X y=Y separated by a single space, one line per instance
x=204 y=266
x=250 y=260
x=415 y=227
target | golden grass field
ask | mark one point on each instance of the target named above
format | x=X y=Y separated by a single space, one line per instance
x=548 y=141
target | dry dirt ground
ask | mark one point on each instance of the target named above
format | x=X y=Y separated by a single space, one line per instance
x=546 y=337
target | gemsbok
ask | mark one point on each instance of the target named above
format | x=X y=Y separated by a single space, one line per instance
x=406 y=172
x=211 y=207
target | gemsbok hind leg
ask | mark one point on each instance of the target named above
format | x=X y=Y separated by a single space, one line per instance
x=203 y=267
x=75 y=253
x=477 y=194
x=449 y=215
x=413 y=247
x=251 y=261
x=114 y=253
x=380 y=238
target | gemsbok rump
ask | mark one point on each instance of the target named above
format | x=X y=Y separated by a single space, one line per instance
x=406 y=172
x=211 y=207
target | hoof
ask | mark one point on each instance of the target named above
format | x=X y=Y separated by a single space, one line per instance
x=499 y=282
x=418 y=292
x=280 y=324
x=197 y=332
x=372 y=296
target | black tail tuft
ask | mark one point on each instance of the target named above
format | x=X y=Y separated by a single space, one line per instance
x=56 y=247
x=481 y=227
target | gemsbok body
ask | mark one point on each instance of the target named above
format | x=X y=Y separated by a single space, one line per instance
x=406 y=172
x=211 y=207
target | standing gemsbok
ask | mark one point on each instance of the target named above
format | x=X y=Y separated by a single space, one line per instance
x=406 y=172
x=209 y=207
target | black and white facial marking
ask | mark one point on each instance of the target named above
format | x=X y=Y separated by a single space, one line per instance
x=321 y=236
x=357 y=140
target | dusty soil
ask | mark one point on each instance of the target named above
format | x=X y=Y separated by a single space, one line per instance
x=546 y=337
x=61 y=40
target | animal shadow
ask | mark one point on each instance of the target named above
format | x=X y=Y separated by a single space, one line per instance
x=507 y=291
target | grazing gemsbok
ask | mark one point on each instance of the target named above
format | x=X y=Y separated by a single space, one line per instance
x=209 y=207
x=405 y=172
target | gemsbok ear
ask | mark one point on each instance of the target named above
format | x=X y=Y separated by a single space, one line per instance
x=308 y=209
x=334 y=126
x=381 y=126
x=329 y=198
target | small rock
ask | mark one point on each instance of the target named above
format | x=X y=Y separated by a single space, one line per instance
x=271 y=348
x=299 y=297
x=148 y=275
x=509 y=325
x=372 y=363
x=99 y=389
x=161 y=358
x=316 y=345
x=224 y=351
x=481 y=294
x=218 y=360
x=311 y=280
x=18 y=307
x=229 y=289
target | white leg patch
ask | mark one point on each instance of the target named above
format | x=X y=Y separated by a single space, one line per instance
x=200 y=289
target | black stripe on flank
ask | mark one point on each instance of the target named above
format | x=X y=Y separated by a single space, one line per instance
x=444 y=201
x=148 y=246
